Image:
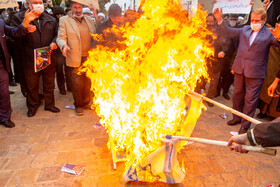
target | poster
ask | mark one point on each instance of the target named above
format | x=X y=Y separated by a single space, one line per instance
x=233 y=6
x=190 y=6
x=88 y=2
x=8 y=3
x=42 y=58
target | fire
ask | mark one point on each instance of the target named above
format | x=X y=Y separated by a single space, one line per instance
x=140 y=88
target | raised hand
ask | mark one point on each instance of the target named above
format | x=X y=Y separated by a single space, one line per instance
x=31 y=28
x=265 y=4
x=218 y=14
x=276 y=32
x=28 y=17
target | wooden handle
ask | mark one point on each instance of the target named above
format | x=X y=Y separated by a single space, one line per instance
x=259 y=149
x=200 y=97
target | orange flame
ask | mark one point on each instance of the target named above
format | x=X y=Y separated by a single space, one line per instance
x=140 y=87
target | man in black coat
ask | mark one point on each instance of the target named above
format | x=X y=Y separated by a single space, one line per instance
x=21 y=30
x=44 y=36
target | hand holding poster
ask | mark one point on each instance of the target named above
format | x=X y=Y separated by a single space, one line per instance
x=233 y=6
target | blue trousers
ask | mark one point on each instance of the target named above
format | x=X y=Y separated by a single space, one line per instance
x=245 y=97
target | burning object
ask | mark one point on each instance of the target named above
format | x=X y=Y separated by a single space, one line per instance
x=140 y=89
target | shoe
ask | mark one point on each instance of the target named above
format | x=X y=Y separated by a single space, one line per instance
x=79 y=111
x=242 y=130
x=8 y=124
x=11 y=92
x=12 y=83
x=31 y=113
x=233 y=122
x=225 y=95
x=261 y=115
x=62 y=92
x=53 y=109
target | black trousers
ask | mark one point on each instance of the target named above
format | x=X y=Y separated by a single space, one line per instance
x=5 y=104
x=80 y=87
x=32 y=80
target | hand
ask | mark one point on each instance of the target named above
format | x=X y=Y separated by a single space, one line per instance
x=252 y=2
x=53 y=46
x=272 y=92
x=49 y=2
x=65 y=49
x=265 y=4
x=31 y=28
x=221 y=54
x=218 y=14
x=276 y=32
x=28 y=17
x=236 y=141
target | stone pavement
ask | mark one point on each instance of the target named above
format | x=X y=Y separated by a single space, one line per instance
x=32 y=153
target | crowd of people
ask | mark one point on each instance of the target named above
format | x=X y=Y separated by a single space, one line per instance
x=242 y=51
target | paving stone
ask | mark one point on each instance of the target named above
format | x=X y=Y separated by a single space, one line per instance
x=18 y=150
x=63 y=146
x=49 y=174
x=269 y=173
x=18 y=130
x=4 y=177
x=213 y=180
x=41 y=138
x=100 y=142
x=72 y=127
x=43 y=160
x=76 y=135
x=57 y=136
x=40 y=148
x=55 y=128
x=36 y=129
x=24 y=176
x=234 y=179
x=83 y=144
x=16 y=139
x=191 y=182
x=253 y=177
x=19 y=163
x=67 y=157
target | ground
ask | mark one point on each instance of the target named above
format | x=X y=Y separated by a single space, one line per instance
x=32 y=153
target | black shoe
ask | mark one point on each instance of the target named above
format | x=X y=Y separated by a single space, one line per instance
x=31 y=113
x=12 y=83
x=53 y=109
x=11 y=92
x=62 y=92
x=225 y=95
x=242 y=130
x=261 y=115
x=233 y=122
x=8 y=124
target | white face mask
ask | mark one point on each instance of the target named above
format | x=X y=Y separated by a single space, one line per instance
x=76 y=16
x=256 y=26
x=38 y=7
x=232 y=23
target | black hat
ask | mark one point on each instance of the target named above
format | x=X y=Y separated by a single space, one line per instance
x=58 y=10
x=114 y=10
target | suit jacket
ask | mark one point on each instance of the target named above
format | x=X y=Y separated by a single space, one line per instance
x=69 y=34
x=13 y=33
x=251 y=60
x=45 y=34
x=273 y=12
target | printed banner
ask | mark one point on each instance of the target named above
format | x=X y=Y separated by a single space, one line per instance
x=233 y=6
x=42 y=58
x=8 y=3
x=88 y=2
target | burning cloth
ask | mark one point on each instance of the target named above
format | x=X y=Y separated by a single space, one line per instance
x=140 y=89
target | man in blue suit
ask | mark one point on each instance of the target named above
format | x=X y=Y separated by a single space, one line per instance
x=250 y=63
x=21 y=30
